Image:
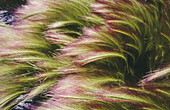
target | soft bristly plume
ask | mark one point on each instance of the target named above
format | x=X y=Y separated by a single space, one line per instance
x=156 y=74
x=86 y=54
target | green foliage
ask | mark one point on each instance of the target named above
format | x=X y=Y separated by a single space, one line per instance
x=87 y=55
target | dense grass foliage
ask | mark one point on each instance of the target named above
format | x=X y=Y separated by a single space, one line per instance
x=86 y=55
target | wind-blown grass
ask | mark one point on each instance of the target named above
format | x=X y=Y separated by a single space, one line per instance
x=87 y=55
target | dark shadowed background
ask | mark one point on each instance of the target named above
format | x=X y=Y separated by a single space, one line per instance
x=6 y=9
x=10 y=5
